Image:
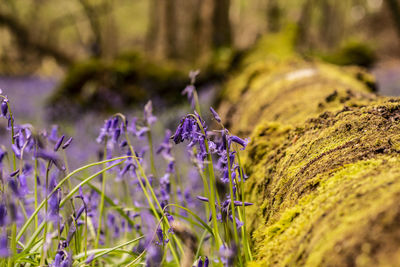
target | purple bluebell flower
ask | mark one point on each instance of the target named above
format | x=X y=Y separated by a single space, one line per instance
x=16 y=151
x=141 y=132
x=4 y=250
x=201 y=263
x=201 y=198
x=24 y=186
x=148 y=113
x=193 y=75
x=224 y=210
x=54 y=201
x=189 y=91
x=124 y=143
x=12 y=208
x=4 y=108
x=67 y=262
x=215 y=114
x=188 y=129
x=90 y=258
x=116 y=135
x=239 y=141
x=50 y=157
x=132 y=126
x=67 y=143
x=228 y=255
x=114 y=122
x=13 y=184
x=154 y=256
x=71 y=233
x=57 y=259
x=58 y=143
x=2 y=154
x=3 y=215
x=165 y=145
x=9 y=122
x=165 y=189
x=14 y=173
x=53 y=133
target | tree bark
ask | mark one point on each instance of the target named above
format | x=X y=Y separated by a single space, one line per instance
x=394 y=9
x=171 y=29
x=222 y=36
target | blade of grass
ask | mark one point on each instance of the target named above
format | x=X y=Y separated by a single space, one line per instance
x=30 y=219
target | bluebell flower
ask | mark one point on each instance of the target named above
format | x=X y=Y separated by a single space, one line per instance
x=89 y=259
x=58 y=143
x=189 y=91
x=228 y=255
x=193 y=75
x=13 y=184
x=4 y=250
x=4 y=108
x=215 y=114
x=154 y=256
x=2 y=154
x=3 y=215
x=16 y=151
x=239 y=141
x=54 y=201
x=225 y=209
x=148 y=113
x=67 y=143
x=48 y=156
x=200 y=262
x=54 y=134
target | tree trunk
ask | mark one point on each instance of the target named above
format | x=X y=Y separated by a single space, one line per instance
x=323 y=164
x=394 y=9
x=171 y=30
x=222 y=36
x=153 y=27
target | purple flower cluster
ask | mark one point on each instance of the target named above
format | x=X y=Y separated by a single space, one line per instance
x=193 y=129
x=138 y=200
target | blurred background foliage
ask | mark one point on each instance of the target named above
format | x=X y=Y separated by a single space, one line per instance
x=121 y=52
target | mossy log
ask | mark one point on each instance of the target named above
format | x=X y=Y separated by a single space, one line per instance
x=323 y=163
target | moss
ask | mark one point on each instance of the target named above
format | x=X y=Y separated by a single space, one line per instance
x=323 y=163
x=128 y=79
x=290 y=92
x=352 y=53
x=315 y=186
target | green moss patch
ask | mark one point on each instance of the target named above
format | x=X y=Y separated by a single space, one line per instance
x=321 y=189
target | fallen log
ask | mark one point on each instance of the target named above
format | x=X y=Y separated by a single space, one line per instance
x=323 y=163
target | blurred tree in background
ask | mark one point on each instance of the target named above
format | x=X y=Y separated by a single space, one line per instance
x=97 y=44
x=190 y=31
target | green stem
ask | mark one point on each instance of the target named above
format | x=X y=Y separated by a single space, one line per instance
x=30 y=219
x=235 y=233
x=43 y=255
x=246 y=244
x=213 y=192
x=103 y=189
x=152 y=164
x=152 y=207
x=36 y=189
